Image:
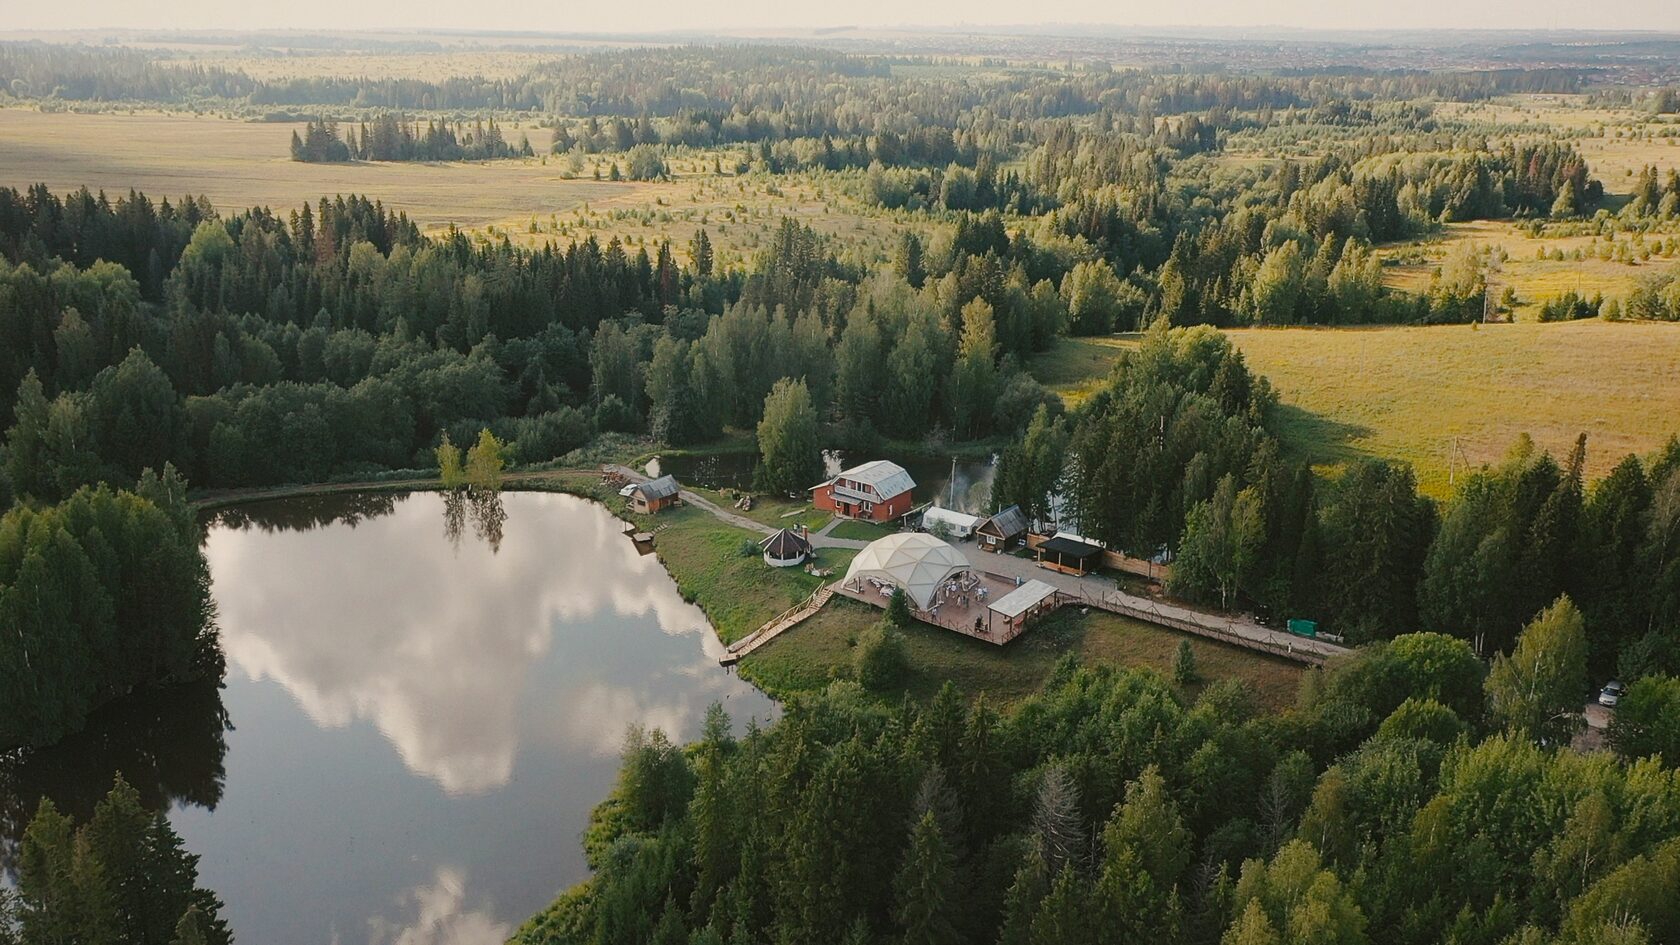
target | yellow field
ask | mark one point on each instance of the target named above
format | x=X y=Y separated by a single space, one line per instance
x=1535 y=280
x=1420 y=394
x=1450 y=397
x=1616 y=142
x=241 y=164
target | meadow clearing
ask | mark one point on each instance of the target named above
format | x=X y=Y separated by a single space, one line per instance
x=1446 y=398
x=240 y=164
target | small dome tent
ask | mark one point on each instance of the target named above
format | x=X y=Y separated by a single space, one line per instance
x=915 y=561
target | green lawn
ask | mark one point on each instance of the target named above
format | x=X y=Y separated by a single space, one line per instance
x=1074 y=367
x=738 y=592
x=820 y=649
x=861 y=531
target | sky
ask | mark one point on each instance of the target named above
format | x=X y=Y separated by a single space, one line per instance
x=646 y=15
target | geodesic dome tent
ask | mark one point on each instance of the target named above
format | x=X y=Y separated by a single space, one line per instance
x=915 y=561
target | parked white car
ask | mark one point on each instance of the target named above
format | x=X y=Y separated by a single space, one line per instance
x=1611 y=694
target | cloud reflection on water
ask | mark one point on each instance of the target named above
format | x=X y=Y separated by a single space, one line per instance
x=384 y=624
x=440 y=917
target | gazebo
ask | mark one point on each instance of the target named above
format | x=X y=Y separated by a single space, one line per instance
x=915 y=561
x=785 y=549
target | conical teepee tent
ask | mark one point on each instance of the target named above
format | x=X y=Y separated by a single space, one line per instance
x=917 y=562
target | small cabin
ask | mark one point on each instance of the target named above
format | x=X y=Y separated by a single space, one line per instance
x=1001 y=530
x=874 y=492
x=654 y=495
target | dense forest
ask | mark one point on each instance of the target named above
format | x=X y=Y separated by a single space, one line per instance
x=1420 y=792
x=1409 y=799
x=1179 y=453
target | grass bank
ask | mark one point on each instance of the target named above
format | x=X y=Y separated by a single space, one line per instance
x=819 y=650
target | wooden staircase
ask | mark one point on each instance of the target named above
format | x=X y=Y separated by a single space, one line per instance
x=781 y=622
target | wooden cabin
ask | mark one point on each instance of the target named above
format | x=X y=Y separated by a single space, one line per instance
x=874 y=492
x=998 y=532
x=654 y=495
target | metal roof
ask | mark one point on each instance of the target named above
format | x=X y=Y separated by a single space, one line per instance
x=661 y=488
x=1022 y=599
x=886 y=478
x=1007 y=523
x=1070 y=547
x=960 y=521
x=785 y=545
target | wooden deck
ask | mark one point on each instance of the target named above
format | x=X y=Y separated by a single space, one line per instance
x=965 y=611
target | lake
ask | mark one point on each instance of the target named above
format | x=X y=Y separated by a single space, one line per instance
x=424 y=699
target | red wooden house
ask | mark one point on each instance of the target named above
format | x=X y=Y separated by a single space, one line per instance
x=875 y=492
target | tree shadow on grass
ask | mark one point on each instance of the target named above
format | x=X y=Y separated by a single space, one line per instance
x=1317 y=439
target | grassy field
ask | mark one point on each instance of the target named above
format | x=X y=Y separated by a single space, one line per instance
x=1523 y=270
x=243 y=164
x=1448 y=397
x=240 y=164
x=820 y=649
x=1074 y=367
x=738 y=592
x=1616 y=142
x=1417 y=394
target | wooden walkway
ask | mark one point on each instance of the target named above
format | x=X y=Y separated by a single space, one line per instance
x=1287 y=646
x=782 y=622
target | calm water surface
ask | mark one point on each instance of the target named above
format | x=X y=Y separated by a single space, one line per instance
x=423 y=702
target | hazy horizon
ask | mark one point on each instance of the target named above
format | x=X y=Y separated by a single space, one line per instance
x=768 y=15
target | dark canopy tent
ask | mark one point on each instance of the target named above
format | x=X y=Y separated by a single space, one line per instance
x=1069 y=555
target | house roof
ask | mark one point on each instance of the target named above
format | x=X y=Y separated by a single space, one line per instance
x=662 y=488
x=1070 y=547
x=957 y=520
x=785 y=544
x=915 y=561
x=1022 y=599
x=1006 y=523
x=886 y=478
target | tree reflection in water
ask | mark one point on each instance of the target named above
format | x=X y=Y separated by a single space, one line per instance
x=305 y=513
x=483 y=507
x=170 y=743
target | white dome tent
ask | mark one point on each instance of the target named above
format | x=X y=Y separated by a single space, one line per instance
x=915 y=561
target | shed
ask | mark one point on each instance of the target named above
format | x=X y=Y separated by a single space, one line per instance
x=955 y=524
x=1001 y=529
x=655 y=494
x=1069 y=555
x=785 y=549
x=1015 y=608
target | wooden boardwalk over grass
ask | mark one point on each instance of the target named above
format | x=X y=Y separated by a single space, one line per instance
x=777 y=625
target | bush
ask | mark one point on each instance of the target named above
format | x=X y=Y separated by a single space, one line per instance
x=1184 y=664
x=898 y=608
x=880 y=659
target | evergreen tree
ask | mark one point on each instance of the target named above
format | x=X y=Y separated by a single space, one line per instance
x=929 y=898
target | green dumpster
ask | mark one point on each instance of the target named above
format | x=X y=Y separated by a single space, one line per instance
x=1304 y=628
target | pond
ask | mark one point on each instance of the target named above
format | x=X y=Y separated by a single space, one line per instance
x=963 y=484
x=424 y=699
